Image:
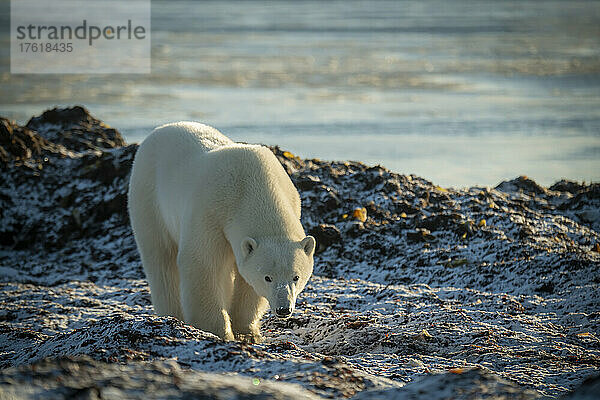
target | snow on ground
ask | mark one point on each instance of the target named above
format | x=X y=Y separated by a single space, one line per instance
x=438 y=293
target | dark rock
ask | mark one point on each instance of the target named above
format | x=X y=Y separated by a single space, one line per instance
x=403 y=206
x=567 y=186
x=457 y=384
x=439 y=221
x=115 y=205
x=329 y=199
x=86 y=378
x=521 y=184
x=101 y=168
x=64 y=117
x=290 y=164
x=67 y=200
x=391 y=186
x=355 y=229
x=76 y=129
x=419 y=235
x=38 y=159
x=588 y=390
x=376 y=177
x=329 y=361
x=328 y=269
x=547 y=287
x=326 y=235
x=306 y=182
x=464 y=229
x=7 y=239
x=582 y=198
x=525 y=232
x=377 y=212
x=332 y=201
x=110 y=165
x=20 y=143
x=376 y=170
x=25 y=235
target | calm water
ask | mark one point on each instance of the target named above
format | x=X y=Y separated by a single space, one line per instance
x=459 y=93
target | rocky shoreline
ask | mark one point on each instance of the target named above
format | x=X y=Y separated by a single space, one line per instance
x=419 y=291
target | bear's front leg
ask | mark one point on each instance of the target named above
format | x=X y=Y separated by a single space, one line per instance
x=247 y=308
x=206 y=285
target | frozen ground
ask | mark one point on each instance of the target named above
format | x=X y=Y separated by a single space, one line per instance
x=485 y=292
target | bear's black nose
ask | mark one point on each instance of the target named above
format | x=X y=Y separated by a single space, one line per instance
x=283 y=312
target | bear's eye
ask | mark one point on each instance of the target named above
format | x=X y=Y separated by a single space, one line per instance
x=268 y=278
x=296 y=278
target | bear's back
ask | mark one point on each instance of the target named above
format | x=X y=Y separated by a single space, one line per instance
x=186 y=163
x=260 y=183
x=187 y=136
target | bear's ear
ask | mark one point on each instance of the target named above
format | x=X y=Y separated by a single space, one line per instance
x=308 y=244
x=248 y=246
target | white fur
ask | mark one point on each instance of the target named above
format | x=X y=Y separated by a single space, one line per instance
x=211 y=219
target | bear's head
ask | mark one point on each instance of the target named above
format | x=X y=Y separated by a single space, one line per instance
x=277 y=269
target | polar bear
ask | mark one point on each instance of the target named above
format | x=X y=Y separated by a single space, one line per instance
x=217 y=224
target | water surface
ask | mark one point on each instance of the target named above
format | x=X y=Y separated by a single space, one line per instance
x=461 y=93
